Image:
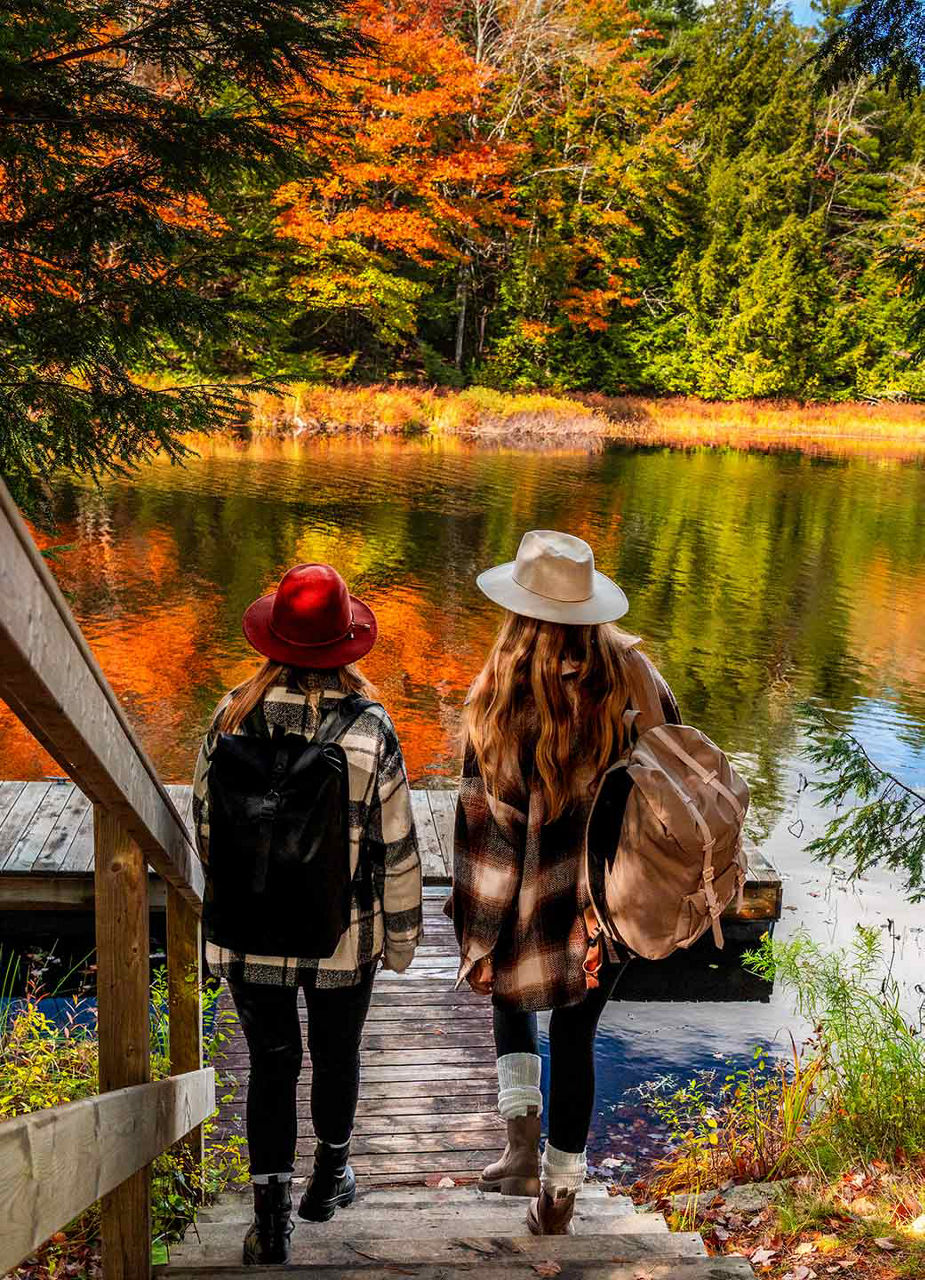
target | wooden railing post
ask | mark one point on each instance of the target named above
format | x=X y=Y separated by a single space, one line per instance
x=123 y=993
x=184 y=982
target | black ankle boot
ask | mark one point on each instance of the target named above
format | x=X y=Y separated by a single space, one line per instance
x=332 y=1185
x=267 y=1241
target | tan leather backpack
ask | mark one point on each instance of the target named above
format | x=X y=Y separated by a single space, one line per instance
x=663 y=845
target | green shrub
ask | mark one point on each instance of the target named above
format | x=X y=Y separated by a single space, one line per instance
x=45 y=1063
x=872 y=1082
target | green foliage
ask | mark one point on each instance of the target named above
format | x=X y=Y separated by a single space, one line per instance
x=45 y=1063
x=755 y=1123
x=125 y=127
x=884 y=825
x=855 y=1092
x=884 y=38
x=871 y=1083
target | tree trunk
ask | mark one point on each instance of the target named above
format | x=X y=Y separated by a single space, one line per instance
x=462 y=298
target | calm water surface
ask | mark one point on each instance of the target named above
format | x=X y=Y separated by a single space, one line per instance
x=756 y=580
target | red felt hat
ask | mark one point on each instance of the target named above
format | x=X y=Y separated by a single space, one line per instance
x=311 y=620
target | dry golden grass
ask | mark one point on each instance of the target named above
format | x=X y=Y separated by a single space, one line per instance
x=588 y=420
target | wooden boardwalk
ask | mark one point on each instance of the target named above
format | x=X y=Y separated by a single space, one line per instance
x=428 y=1092
x=46 y=850
x=46 y=843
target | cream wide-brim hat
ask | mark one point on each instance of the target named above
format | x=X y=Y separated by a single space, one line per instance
x=554 y=579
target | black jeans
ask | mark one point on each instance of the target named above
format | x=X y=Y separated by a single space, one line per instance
x=270 y=1020
x=571 y=1057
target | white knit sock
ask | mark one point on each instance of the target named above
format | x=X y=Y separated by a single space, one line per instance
x=263 y=1179
x=519 y=1084
x=562 y=1170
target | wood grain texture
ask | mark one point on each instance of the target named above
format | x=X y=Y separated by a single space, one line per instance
x=443 y=807
x=184 y=980
x=55 y=1163
x=428 y=844
x=52 y=682
x=54 y=852
x=122 y=990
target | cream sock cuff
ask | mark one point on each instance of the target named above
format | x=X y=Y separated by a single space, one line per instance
x=519 y=1084
x=562 y=1170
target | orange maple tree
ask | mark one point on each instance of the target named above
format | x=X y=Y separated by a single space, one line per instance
x=410 y=173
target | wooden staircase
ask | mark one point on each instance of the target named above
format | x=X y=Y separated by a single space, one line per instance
x=442 y=1234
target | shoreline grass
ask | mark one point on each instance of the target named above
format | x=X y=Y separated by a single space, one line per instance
x=589 y=421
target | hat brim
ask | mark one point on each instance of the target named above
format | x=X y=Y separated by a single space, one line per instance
x=606 y=603
x=338 y=653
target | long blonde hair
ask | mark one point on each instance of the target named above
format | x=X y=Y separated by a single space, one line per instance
x=528 y=671
x=251 y=692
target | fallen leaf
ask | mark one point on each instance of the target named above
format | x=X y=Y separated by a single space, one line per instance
x=762 y=1256
x=445 y=1183
x=478 y=1246
x=546 y=1268
x=886 y=1244
x=863 y=1206
x=806 y=1247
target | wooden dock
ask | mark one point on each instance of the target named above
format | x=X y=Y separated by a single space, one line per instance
x=46 y=851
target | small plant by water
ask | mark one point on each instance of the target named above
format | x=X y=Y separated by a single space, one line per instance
x=46 y=1061
x=854 y=1092
x=871 y=1081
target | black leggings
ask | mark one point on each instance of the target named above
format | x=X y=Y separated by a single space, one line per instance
x=571 y=1057
x=270 y=1020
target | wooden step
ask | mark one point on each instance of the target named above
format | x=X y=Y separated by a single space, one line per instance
x=588 y=1257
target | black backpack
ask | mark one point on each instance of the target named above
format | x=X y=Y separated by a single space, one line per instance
x=278 y=876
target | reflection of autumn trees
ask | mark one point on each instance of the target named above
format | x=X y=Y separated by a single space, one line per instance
x=753 y=578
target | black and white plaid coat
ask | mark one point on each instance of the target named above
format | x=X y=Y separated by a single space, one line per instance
x=519 y=889
x=385 y=918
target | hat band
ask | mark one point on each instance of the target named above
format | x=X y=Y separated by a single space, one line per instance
x=319 y=644
x=543 y=595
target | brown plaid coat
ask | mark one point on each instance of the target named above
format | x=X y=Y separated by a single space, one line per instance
x=519 y=888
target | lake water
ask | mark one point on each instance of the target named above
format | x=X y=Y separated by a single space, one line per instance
x=756 y=579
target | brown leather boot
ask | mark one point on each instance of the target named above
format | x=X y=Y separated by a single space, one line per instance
x=517 y=1173
x=548 y=1216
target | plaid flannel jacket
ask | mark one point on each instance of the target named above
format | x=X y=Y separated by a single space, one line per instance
x=385 y=919
x=519 y=889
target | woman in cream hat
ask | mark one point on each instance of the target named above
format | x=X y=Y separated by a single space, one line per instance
x=544 y=719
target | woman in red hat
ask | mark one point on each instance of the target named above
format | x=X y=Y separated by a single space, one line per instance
x=311 y=632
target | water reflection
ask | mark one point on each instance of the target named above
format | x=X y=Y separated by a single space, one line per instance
x=757 y=579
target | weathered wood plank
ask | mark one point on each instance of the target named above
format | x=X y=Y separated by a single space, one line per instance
x=51 y=680
x=80 y=855
x=428 y=844
x=55 y=1163
x=54 y=852
x=443 y=807
x=19 y=816
x=40 y=826
x=9 y=794
x=184 y=980
x=675 y=1268
x=122 y=991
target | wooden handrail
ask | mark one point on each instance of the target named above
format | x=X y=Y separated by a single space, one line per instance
x=51 y=680
x=56 y=1163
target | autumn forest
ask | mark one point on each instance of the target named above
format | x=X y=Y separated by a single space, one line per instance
x=585 y=195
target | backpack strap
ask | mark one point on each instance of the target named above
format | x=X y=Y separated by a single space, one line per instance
x=645 y=711
x=340 y=718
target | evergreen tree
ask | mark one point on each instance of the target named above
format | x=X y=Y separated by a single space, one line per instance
x=125 y=127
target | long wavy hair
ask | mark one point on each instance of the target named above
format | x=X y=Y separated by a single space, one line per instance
x=252 y=691
x=572 y=679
